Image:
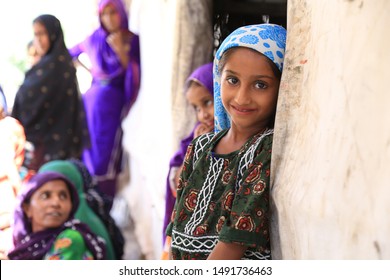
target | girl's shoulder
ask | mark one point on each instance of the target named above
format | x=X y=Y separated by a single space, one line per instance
x=209 y=137
x=203 y=141
x=262 y=140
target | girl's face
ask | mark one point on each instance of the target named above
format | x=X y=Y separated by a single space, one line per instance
x=32 y=55
x=249 y=89
x=41 y=38
x=203 y=103
x=110 y=18
x=49 y=206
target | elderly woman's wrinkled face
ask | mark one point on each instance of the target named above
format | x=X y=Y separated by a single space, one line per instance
x=49 y=206
x=41 y=38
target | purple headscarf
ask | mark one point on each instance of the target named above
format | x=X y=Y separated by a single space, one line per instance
x=204 y=76
x=104 y=66
x=119 y=7
x=34 y=245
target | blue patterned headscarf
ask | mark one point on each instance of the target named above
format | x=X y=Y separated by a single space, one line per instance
x=268 y=39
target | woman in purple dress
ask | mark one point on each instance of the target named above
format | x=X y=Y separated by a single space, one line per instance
x=115 y=58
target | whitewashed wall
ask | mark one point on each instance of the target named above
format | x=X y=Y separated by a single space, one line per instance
x=193 y=47
x=176 y=37
x=331 y=156
x=147 y=129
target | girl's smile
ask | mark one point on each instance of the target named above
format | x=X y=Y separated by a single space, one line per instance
x=249 y=90
x=243 y=110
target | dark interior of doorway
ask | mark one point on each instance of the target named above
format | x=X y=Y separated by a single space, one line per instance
x=231 y=14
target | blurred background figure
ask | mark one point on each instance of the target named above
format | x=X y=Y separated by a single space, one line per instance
x=12 y=142
x=100 y=204
x=45 y=228
x=83 y=212
x=48 y=103
x=32 y=54
x=115 y=66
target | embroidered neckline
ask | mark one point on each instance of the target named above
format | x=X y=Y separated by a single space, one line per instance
x=235 y=153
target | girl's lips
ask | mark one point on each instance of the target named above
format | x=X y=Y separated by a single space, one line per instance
x=243 y=110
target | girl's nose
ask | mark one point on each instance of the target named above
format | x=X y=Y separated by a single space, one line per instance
x=205 y=114
x=242 y=96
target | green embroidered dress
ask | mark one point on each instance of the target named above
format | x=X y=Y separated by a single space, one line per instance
x=223 y=197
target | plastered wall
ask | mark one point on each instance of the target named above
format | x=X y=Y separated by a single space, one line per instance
x=331 y=153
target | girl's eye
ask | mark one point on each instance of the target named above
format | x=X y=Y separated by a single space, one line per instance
x=196 y=108
x=208 y=103
x=261 y=85
x=232 y=80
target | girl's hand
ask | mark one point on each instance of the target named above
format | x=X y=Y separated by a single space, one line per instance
x=174 y=179
x=227 y=251
x=115 y=41
x=202 y=129
x=120 y=44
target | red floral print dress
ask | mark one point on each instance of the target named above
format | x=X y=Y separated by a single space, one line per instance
x=223 y=197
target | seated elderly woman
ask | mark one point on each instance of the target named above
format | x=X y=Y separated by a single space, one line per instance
x=47 y=230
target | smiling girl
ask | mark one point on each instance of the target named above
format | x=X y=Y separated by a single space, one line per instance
x=222 y=206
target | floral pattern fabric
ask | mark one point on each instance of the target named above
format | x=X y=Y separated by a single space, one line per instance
x=231 y=204
x=69 y=245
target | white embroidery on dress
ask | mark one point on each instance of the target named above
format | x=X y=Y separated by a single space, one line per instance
x=251 y=255
x=185 y=241
x=193 y=244
x=205 y=194
x=200 y=145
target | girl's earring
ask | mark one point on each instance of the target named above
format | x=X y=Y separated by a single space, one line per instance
x=265 y=18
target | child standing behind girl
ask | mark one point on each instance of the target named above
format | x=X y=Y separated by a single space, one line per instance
x=222 y=206
x=199 y=93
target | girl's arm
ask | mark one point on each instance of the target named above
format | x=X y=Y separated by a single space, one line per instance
x=227 y=251
x=78 y=63
x=121 y=47
x=75 y=53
